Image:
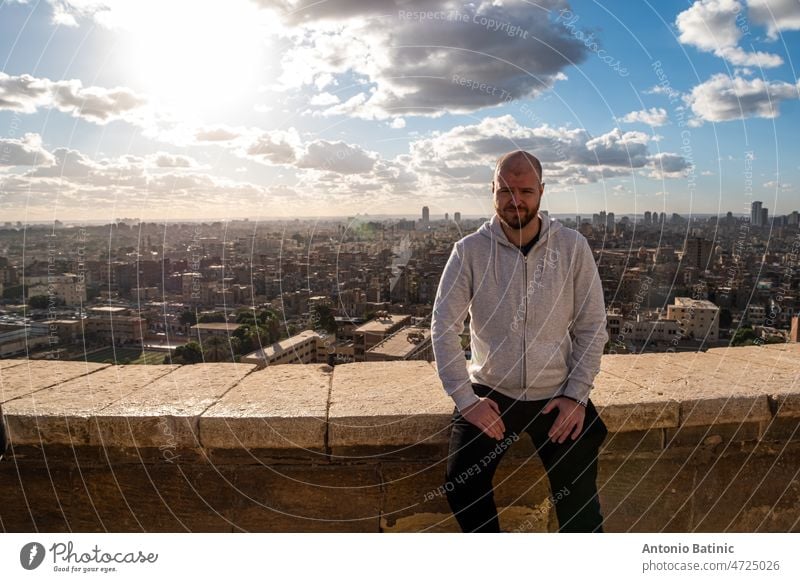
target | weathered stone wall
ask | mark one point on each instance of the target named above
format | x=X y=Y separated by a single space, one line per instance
x=698 y=442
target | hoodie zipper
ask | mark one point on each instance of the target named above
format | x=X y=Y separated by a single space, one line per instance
x=525 y=326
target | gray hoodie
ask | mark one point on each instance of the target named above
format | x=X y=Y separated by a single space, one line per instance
x=537 y=322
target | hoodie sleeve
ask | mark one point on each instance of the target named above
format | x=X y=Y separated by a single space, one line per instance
x=589 y=325
x=449 y=312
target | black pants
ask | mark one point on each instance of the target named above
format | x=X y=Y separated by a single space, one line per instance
x=571 y=466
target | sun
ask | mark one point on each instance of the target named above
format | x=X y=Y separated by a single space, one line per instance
x=195 y=57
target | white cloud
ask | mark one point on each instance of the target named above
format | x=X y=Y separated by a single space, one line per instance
x=80 y=186
x=776 y=15
x=218 y=133
x=27 y=151
x=275 y=147
x=723 y=98
x=668 y=165
x=324 y=98
x=775 y=185
x=26 y=94
x=570 y=156
x=739 y=57
x=166 y=160
x=654 y=117
x=337 y=157
x=67 y=164
x=711 y=26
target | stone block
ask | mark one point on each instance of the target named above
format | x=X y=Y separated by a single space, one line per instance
x=755 y=491
x=280 y=407
x=646 y=494
x=155 y=498
x=25 y=377
x=626 y=443
x=626 y=406
x=713 y=435
x=387 y=406
x=286 y=498
x=60 y=414
x=781 y=429
x=165 y=412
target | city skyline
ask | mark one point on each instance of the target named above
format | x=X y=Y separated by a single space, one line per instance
x=275 y=110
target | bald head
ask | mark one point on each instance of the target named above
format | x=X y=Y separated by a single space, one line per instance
x=516 y=163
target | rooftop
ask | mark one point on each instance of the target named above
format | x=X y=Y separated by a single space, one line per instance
x=381 y=324
x=218 y=326
x=398 y=344
x=695 y=303
x=108 y=309
x=283 y=345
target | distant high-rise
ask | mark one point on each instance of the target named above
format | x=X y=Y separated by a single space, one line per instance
x=697 y=252
x=764 y=217
x=755 y=213
x=426 y=216
x=647 y=216
x=446 y=216
x=457 y=217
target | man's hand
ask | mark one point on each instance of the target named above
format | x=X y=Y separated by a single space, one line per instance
x=569 y=421
x=485 y=414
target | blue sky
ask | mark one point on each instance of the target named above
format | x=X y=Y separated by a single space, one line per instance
x=278 y=109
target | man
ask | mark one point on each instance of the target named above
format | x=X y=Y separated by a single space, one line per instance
x=537 y=328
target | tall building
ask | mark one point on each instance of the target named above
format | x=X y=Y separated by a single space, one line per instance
x=647 y=216
x=764 y=217
x=426 y=216
x=755 y=213
x=697 y=252
x=457 y=217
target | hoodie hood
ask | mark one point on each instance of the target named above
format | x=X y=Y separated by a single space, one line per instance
x=494 y=231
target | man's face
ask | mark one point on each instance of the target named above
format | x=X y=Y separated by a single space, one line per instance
x=517 y=194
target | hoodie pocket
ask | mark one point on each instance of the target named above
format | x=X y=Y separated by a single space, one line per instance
x=546 y=364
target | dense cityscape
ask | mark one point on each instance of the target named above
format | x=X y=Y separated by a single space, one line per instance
x=362 y=289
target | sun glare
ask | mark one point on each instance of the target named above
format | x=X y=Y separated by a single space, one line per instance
x=195 y=57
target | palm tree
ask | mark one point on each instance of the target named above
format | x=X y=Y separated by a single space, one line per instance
x=216 y=349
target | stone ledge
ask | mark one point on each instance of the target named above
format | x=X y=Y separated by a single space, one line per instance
x=356 y=411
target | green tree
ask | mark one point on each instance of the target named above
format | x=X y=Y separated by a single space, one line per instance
x=38 y=301
x=188 y=317
x=216 y=349
x=325 y=318
x=246 y=317
x=15 y=292
x=744 y=336
x=215 y=317
x=186 y=354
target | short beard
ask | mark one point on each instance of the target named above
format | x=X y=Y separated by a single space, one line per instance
x=520 y=220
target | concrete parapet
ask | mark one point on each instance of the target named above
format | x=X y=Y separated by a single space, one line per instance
x=698 y=442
